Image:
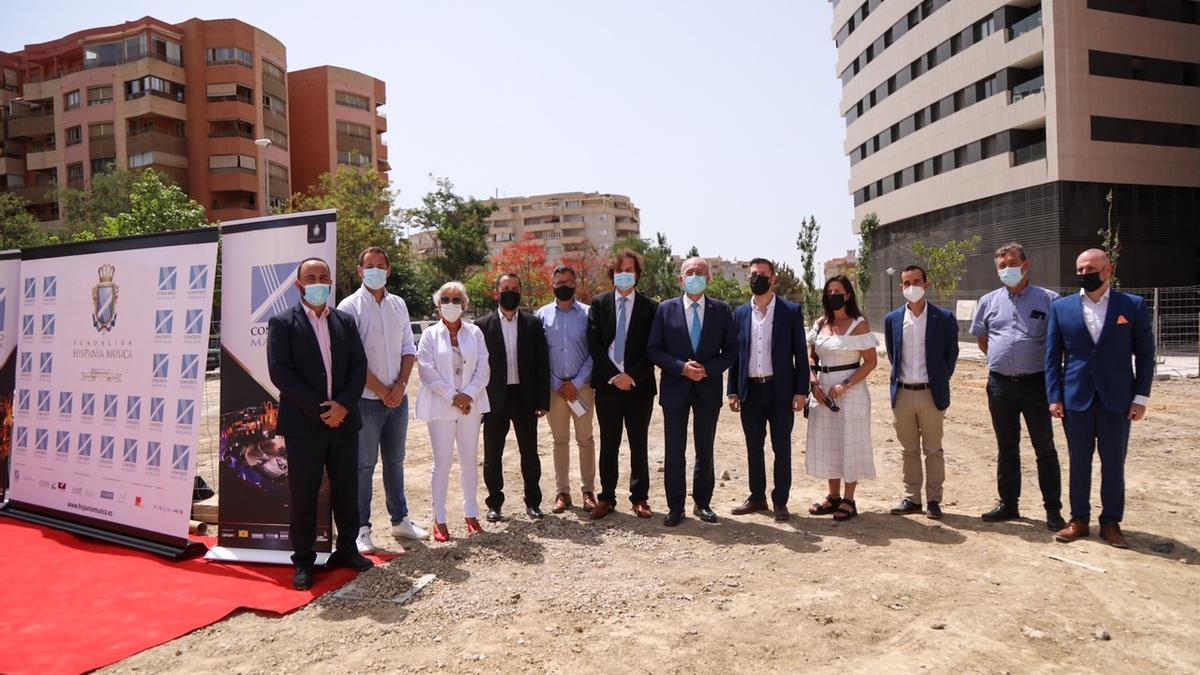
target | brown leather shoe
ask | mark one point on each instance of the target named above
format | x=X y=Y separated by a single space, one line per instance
x=602 y=509
x=1074 y=530
x=642 y=509
x=750 y=506
x=1111 y=532
x=589 y=501
x=561 y=503
x=782 y=513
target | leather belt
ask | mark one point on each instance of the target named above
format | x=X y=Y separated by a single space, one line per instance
x=1019 y=377
x=761 y=380
x=834 y=369
x=914 y=387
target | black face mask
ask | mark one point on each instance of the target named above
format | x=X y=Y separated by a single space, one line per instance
x=564 y=293
x=1090 y=281
x=510 y=300
x=835 y=301
x=760 y=284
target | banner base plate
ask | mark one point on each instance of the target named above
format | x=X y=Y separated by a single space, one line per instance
x=190 y=549
x=255 y=555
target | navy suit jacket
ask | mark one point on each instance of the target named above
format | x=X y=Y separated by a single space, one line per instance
x=941 y=350
x=1079 y=369
x=296 y=367
x=789 y=351
x=670 y=347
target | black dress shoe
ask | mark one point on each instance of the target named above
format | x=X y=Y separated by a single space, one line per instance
x=704 y=513
x=673 y=518
x=907 y=508
x=353 y=560
x=933 y=511
x=1054 y=520
x=750 y=506
x=493 y=516
x=303 y=579
x=535 y=513
x=1004 y=511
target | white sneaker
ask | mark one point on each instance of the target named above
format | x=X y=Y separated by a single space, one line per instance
x=364 y=543
x=408 y=530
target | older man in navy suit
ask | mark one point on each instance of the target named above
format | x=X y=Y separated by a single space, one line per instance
x=693 y=340
x=922 y=344
x=1092 y=386
x=768 y=383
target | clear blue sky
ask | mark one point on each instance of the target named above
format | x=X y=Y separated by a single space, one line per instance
x=719 y=119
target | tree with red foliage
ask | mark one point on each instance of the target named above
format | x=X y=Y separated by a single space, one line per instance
x=527 y=259
x=591 y=269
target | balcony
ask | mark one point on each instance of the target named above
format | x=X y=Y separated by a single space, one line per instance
x=47 y=159
x=1025 y=25
x=381 y=152
x=1029 y=153
x=382 y=166
x=148 y=141
x=234 y=180
x=1034 y=86
x=12 y=166
x=35 y=195
x=279 y=188
x=541 y=227
x=274 y=87
x=348 y=143
x=572 y=240
x=380 y=124
x=102 y=146
x=275 y=120
x=31 y=126
x=154 y=106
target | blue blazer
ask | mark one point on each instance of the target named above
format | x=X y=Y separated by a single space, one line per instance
x=789 y=351
x=1079 y=370
x=941 y=350
x=670 y=347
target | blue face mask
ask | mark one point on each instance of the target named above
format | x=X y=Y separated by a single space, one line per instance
x=375 y=278
x=1011 y=276
x=695 y=284
x=316 y=294
x=624 y=280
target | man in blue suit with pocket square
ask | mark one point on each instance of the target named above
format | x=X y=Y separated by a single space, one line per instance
x=1099 y=367
x=693 y=340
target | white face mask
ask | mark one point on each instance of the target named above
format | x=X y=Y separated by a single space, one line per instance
x=914 y=293
x=452 y=313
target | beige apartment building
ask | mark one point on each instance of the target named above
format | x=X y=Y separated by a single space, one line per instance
x=1014 y=119
x=844 y=266
x=567 y=223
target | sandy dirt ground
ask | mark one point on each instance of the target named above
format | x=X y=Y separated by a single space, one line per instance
x=881 y=593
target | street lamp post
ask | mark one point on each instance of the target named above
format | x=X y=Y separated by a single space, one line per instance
x=891 y=272
x=263 y=144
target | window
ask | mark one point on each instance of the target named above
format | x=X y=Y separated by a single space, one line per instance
x=273 y=71
x=227 y=128
x=166 y=50
x=278 y=138
x=353 y=158
x=274 y=104
x=155 y=86
x=229 y=55
x=74 y=135
x=573 y=204
x=1127 y=66
x=1183 y=11
x=100 y=131
x=1145 y=132
x=141 y=159
x=277 y=171
x=230 y=91
x=75 y=173
x=352 y=100
x=353 y=130
x=103 y=164
x=104 y=54
x=239 y=162
x=71 y=100
x=100 y=95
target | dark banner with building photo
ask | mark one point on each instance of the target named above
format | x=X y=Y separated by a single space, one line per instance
x=258 y=273
x=10 y=272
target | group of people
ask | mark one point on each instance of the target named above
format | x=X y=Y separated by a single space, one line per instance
x=343 y=377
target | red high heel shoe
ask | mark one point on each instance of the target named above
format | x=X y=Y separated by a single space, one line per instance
x=473 y=526
x=440 y=533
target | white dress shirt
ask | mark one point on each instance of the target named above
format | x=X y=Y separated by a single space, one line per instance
x=320 y=326
x=687 y=311
x=508 y=327
x=386 y=332
x=617 y=308
x=761 y=327
x=1094 y=316
x=913 y=369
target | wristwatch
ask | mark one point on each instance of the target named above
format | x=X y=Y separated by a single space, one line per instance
x=846 y=382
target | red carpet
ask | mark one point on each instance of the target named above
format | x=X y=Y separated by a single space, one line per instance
x=70 y=604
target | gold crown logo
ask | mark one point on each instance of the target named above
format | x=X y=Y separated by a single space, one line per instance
x=106 y=272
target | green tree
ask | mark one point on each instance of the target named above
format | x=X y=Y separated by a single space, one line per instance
x=866 y=256
x=788 y=286
x=364 y=204
x=636 y=244
x=18 y=227
x=806 y=242
x=460 y=226
x=479 y=291
x=693 y=252
x=1110 y=239
x=661 y=279
x=412 y=280
x=945 y=264
x=727 y=290
x=107 y=195
x=154 y=207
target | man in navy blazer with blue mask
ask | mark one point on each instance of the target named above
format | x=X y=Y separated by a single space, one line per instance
x=1093 y=342
x=693 y=340
x=922 y=344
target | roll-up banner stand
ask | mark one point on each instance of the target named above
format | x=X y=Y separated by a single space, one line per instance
x=10 y=278
x=109 y=386
x=259 y=257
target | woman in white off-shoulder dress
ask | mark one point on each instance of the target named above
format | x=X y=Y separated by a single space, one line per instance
x=842 y=354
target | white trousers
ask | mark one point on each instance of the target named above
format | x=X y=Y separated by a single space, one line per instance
x=444 y=435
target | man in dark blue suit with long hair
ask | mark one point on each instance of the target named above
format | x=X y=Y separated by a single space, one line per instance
x=694 y=340
x=1092 y=386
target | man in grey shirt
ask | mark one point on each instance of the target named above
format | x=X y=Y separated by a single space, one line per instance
x=1010 y=326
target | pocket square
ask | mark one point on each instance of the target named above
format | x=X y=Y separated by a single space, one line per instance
x=1122 y=320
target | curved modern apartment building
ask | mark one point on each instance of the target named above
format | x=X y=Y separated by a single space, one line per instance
x=1013 y=120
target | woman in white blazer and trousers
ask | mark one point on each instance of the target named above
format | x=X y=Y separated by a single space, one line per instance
x=452 y=361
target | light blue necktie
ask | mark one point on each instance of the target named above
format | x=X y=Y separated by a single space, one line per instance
x=619 y=343
x=695 y=326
